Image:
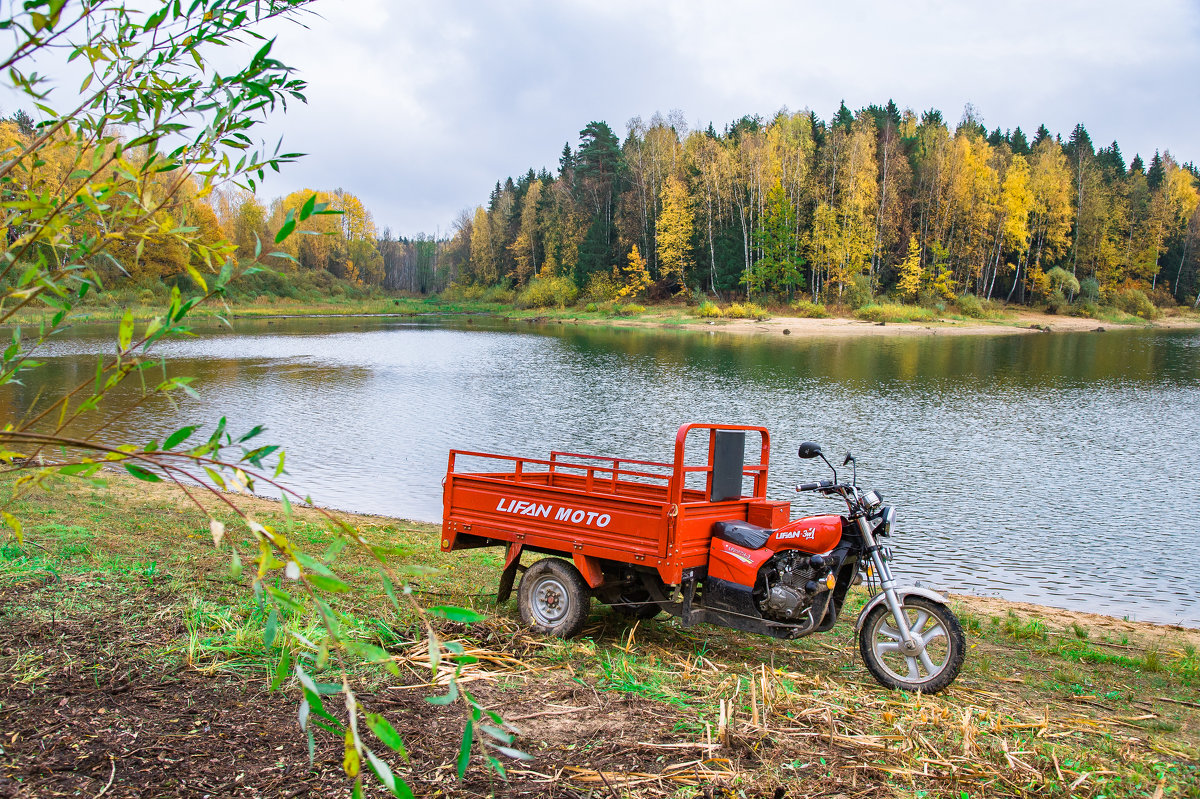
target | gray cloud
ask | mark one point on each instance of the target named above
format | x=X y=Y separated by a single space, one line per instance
x=420 y=108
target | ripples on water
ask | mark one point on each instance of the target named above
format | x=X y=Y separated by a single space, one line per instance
x=1060 y=469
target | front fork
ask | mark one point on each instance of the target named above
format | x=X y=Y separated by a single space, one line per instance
x=907 y=641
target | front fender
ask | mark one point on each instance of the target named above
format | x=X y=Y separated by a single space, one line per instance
x=901 y=592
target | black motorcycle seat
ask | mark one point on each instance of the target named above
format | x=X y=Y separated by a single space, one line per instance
x=744 y=534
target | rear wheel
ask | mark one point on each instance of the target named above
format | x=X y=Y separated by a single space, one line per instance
x=932 y=664
x=553 y=598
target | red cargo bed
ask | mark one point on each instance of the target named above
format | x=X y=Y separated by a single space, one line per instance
x=597 y=508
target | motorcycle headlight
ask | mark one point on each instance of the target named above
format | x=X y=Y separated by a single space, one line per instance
x=886 y=518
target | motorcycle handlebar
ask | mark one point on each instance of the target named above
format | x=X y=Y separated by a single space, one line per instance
x=815 y=486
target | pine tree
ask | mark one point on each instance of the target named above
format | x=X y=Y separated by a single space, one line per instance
x=843 y=118
x=1156 y=173
x=1018 y=142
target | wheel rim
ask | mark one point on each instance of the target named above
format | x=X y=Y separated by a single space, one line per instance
x=551 y=602
x=932 y=654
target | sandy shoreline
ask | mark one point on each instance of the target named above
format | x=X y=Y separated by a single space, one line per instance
x=838 y=327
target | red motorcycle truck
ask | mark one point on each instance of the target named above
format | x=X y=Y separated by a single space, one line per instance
x=699 y=539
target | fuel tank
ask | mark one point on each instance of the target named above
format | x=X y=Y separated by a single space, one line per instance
x=815 y=535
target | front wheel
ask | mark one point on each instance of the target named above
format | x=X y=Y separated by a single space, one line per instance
x=932 y=664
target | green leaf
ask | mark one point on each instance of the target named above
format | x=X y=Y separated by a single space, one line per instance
x=125 y=331
x=394 y=784
x=254 y=431
x=285 y=599
x=307 y=209
x=271 y=628
x=312 y=695
x=325 y=583
x=386 y=733
x=390 y=590
x=72 y=469
x=517 y=754
x=464 y=750
x=500 y=735
x=282 y=669
x=142 y=474
x=289 y=225
x=178 y=437
x=448 y=699
x=235 y=564
x=453 y=613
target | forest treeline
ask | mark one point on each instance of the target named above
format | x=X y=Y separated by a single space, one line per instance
x=878 y=202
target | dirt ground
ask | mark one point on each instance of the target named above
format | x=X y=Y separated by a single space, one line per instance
x=95 y=716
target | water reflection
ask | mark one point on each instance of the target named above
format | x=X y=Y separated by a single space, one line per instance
x=1052 y=468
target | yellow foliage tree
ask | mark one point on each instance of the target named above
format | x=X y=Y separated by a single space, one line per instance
x=910 y=271
x=674 y=229
x=634 y=278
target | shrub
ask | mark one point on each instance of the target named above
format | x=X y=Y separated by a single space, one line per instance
x=1056 y=302
x=1089 y=289
x=969 y=305
x=1162 y=298
x=747 y=310
x=894 y=312
x=1062 y=281
x=600 y=288
x=459 y=293
x=1085 y=308
x=809 y=310
x=857 y=292
x=591 y=307
x=554 y=292
x=1135 y=302
x=708 y=310
x=630 y=309
x=501 y=295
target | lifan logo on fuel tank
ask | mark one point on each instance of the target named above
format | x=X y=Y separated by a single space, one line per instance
x=561 y=514
x=808 y=534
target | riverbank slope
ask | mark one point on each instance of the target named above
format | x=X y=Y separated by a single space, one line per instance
x=126 y=643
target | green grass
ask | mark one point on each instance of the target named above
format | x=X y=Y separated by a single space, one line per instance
x=138 y=554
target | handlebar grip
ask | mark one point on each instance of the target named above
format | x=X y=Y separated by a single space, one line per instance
x=814 y=486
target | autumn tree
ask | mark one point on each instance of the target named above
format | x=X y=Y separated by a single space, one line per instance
x=674 y=232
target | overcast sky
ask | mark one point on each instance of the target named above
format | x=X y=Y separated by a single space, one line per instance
x=419 y=107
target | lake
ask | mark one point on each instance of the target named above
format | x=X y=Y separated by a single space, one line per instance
x=1062 y=469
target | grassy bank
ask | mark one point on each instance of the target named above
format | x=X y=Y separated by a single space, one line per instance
x=125 y=643
x=798 y=317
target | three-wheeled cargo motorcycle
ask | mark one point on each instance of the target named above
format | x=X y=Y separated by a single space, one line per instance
x=699 y=539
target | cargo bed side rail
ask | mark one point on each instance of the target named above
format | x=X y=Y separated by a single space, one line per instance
x=606 y=477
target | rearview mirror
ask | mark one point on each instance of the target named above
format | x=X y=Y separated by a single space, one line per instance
x=809 y=450
x=849 y=459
